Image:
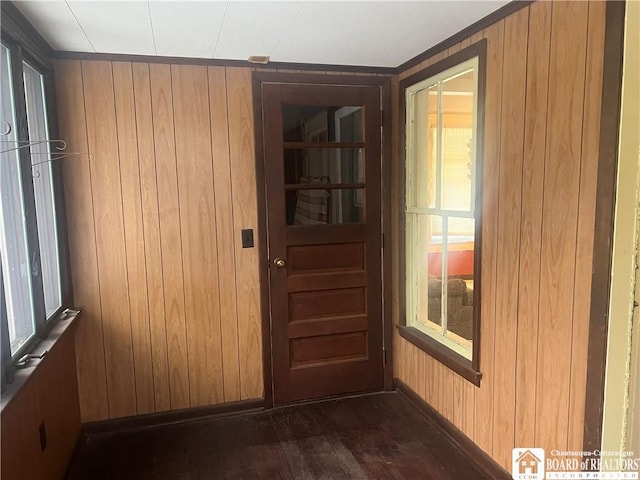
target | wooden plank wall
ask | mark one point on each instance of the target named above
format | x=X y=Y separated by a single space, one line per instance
x=49 y=396
x=170 y=298
x=544 y=80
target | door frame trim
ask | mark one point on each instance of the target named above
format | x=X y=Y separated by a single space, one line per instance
x=384 y=82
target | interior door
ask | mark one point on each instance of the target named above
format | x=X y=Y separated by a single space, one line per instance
x=322 y=164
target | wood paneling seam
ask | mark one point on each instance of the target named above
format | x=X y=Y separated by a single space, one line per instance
x=157 y=202
x=184 y=299
x=576 y=266
x=93 y=216
x=164 y=299
x=544 y=174
x=233 y=215
x=126 y=257
x=144 y=244
x=216 y=224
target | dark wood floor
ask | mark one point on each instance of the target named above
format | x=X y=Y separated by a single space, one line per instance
x=373 y=436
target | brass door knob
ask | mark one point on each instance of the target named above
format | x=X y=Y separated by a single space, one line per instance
x=279 y=262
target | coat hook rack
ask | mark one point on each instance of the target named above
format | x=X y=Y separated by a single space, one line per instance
x=28 y=144
x=55 y=152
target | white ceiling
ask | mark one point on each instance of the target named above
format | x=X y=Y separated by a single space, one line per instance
x=366 y=33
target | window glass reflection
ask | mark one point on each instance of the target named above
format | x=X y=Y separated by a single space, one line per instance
x=337 y=165
x=324 y=206
x=322 y=124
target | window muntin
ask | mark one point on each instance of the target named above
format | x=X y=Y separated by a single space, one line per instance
x=440 y=205
x=43 y=187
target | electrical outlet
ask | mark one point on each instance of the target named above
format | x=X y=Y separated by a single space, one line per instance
x=43 y=437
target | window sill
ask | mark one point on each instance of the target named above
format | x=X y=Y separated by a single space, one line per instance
x=441 y=353
x=61 y=327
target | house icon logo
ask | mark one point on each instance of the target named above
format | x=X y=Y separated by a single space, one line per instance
x=527 y=464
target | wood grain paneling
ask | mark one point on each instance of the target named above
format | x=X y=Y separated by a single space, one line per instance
x=151 y=229
x=170 y=234
x=535 y=129
x=197 y=220
x=48 y=397
x=559 y=219
x=171 y=299
x=509 y=216
x=586 y=224
x=225 y=237
x=134 y=235
x=104 y=161
x=92 y=380
x=542 y=117
x=485 y=405
x=245 y=215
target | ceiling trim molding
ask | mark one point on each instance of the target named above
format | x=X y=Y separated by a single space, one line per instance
x=484 y=22
x=215 y=62
x=16 y=28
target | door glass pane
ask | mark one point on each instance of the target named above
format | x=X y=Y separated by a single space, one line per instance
x=43 y=188
x=325 y=206
x=457 y=136
x=16 y=266
x=336 y=165
x=321 y=124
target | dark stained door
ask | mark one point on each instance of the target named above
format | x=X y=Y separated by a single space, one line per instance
x=322 y=154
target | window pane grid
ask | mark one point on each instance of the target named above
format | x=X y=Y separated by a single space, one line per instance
x=440 y=205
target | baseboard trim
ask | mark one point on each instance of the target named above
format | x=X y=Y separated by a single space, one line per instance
x=155 y=420
x=483 y=461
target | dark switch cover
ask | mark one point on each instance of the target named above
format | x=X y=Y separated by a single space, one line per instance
x=247 y=238
x=43 y=437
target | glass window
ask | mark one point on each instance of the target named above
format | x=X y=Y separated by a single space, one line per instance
x=34 y=286
x=43 y=187
x=16 y=260
x=441 y=215
x=325 y=184
x=321 y=124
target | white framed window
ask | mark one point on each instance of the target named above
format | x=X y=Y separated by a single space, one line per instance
x=442 y=209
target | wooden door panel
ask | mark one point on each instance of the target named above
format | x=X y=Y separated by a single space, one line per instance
x=327 y=326
x=323 y=281
x=337 y=378
x=326 y=295
x=327 y=303
x=319 y=258
x=328 y=348
x=326 y=234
